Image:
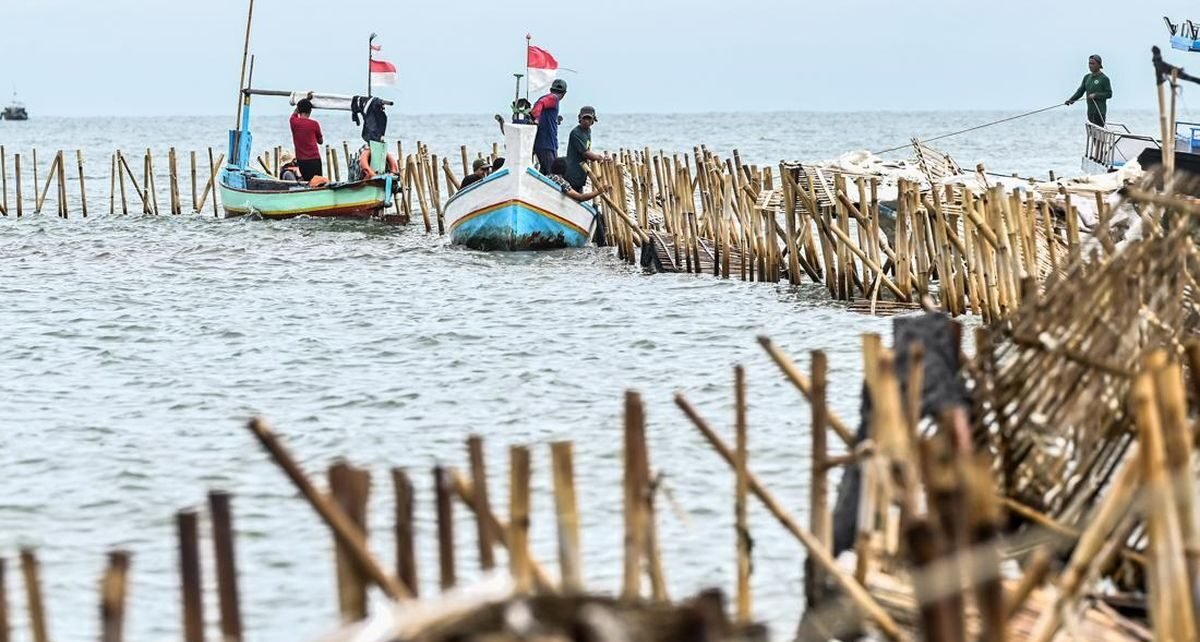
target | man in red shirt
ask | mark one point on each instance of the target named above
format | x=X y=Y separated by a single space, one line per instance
x=306 y=135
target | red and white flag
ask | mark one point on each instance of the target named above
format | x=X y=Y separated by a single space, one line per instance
x=542 y=70
x=383 y=73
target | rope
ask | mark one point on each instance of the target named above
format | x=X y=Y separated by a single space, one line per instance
x=971 y=129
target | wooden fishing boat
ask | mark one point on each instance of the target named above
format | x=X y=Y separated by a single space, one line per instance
x=247 y=191
x=516 y=207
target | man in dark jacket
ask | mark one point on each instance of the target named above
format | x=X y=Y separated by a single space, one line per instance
x=1097 y=88
x=579 y=148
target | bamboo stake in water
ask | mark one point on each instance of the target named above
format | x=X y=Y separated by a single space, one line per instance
x=212 y=180
x=121 y=179
x=635 y=487
x=35 y=177
x=62 y=186
x=349 y=488
x=518 y=528
x=17 y=176
x=3 y=604
x=192 y=165
x=741 y=529
x=82 y=187
x=819 y=518
x=3 y=183
x=189 y=572
x=112 y=597
x=479 y=483
x=226 y=566
x=406 y=558
x=39 y=200
x=445 y=529
x=33 y=595
x=173 y=168
x=562 y=460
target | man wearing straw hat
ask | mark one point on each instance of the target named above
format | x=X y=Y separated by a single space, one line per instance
x=1098 y=89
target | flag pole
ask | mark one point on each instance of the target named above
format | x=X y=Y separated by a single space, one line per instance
x=370 y=56
x=528 y=41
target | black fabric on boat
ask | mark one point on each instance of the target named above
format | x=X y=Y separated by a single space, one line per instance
x=374 y=119
x=943 y=387
x=256 y=184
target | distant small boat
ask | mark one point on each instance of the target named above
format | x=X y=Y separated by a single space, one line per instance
x=15 y=110
x=517 y=208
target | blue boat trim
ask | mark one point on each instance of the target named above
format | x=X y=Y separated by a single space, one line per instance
x=468 y=188
x=558 y=188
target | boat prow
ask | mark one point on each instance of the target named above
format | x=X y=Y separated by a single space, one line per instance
x=517 y=208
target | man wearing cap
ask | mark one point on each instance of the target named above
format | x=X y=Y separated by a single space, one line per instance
x=479 y=169
x=1098 y=90
x=579 y=148
x=545 y=112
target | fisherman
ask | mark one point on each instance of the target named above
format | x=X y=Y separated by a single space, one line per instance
x=362 y=170
x=289 y=169
x=1098 y=90
x=480 y=169
x=545 y=112
x=306 y=136
x=579 y=148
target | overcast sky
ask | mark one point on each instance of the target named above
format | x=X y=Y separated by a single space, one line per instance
x=148 y=57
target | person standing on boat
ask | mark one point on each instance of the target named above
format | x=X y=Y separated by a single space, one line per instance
x=1097 y=88
x=579 y=148
x=545 y=113
x=306 y=136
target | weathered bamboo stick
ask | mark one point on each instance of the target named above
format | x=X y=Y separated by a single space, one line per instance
x=570 y=567
x=151 y=192
x=225 y=564
x=192 y=164
x=518 y=528
x=62 y=186
x=35 y=173
x=33 y=596
x=334 y=517
x=212 y=180
x=120 y=165
x=40 y=201
x=17 y=176
x=741 y=528
x=417 y=169
x=635 y=488
x=406 y=557
x=487 y=536
x=3 y=185
x=173 y=180
x=82 y=187
x=445 y=529
x=349 y=488
x=820 y=521
x=4 y=626
x=112 y=597
x=192 y=589
x=853 y=589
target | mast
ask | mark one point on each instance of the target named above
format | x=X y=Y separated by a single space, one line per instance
x=370 y=57
x=528 y=41
x=245 y=54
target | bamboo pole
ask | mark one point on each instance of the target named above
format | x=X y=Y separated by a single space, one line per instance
x=82 y=187
x=853 y=589
x=212 y=180
x=192 y=164
x=40 y=201
x=635 y=488
x=35 y=175
x=462 y=486
x=417 y=169
x=33 y=595
x=112 y=597
x=4 y=632
x=487 y=537
x=334 y=517
x=173 y=181
x=120 y=161
x=3 y=183
x=17 y=176
x=445 y=529
x=349 y=488
x=518 y=533
x=62 y=186
x=792 y=372
x=112 y=184
x=192 y=588
x=225 y=565
x=406 y=557
x=742 y=530
x=567 y=513
x=148 y=183
x=820 y=521
x=462 y=149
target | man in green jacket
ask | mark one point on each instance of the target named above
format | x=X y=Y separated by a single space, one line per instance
x=1098 y=90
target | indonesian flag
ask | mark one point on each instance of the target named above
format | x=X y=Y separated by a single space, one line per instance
x=382 y=72
x=542 y=70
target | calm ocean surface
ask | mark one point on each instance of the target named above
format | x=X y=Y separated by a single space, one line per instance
x=133 y=349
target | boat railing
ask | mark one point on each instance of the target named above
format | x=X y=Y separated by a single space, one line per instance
x=1187 y=136
x=1102 y=143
